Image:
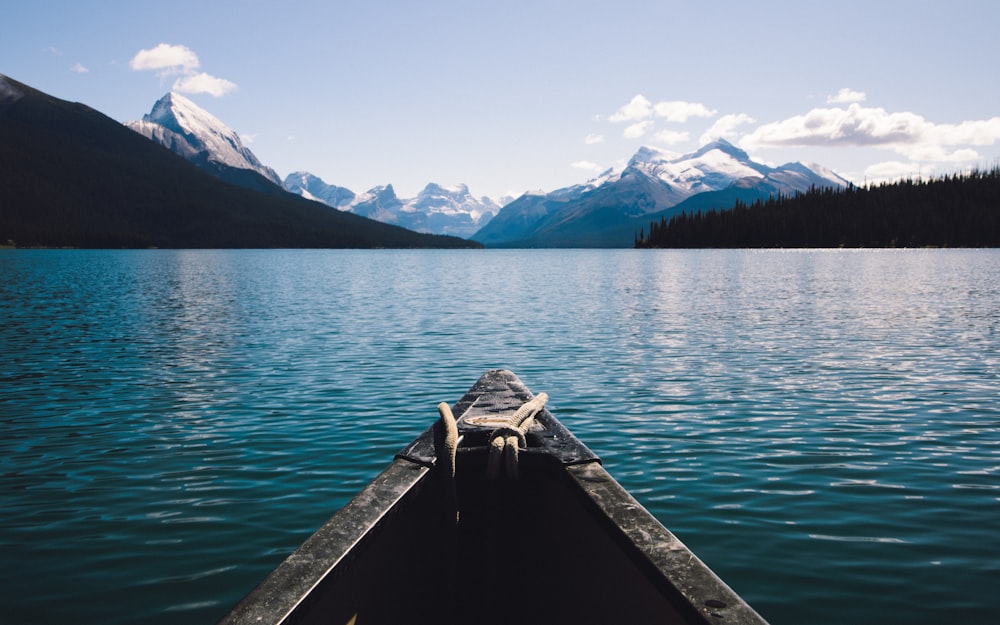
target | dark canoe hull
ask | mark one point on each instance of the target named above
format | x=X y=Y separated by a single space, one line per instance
x=563 y=543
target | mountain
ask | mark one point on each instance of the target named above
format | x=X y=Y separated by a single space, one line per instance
x=380 y=203
x=608 y=211
x=192 y=132
x=311 y=187
x=72 y=177
x=436 y=209
x=195 y=134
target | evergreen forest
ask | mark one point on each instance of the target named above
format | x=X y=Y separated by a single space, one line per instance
x=961 y=210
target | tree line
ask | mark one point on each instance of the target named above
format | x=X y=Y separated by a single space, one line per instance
x=960 y=210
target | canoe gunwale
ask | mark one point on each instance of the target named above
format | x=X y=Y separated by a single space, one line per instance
x=289 y=588
x=696 y=593
x=702 y=593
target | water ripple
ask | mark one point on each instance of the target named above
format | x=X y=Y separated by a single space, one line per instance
x=821 y=427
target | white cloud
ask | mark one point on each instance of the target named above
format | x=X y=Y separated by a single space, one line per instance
x=593 y=139
x=672 y=137
x=889 y=171
x=637 y=129
x=637 y=109
x=173 y=60
x=725 y=127
x=640 y=108
x=204 y=83
x=846 y=96
x=906 y=133
x=586 y=165
x=679 y=111
x=78 y=68
x=167 y=58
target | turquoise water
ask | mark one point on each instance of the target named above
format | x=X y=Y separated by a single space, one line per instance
x=820 y=427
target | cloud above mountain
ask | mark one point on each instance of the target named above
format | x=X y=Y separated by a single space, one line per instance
x=846 y=96
x=906 y=133
x=845 y=121
x=726 y=127
x=640 y=109
x=169 y=60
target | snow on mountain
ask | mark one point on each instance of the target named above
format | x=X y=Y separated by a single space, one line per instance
x=436 y=209
x=379 y=203
x=452 y=201
x=719 y=164
x=599 y=212
x=713 y=167
x=192 y=132
x=312 y=187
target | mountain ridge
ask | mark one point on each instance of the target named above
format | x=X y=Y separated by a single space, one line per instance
x=436 y=208
x=71 y=176
x=607 y=211
x=190 y=131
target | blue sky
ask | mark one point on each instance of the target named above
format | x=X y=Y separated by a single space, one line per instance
x=521 y=95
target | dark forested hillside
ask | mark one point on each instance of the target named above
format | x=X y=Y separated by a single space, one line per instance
x=73 y=177
x=953 y=211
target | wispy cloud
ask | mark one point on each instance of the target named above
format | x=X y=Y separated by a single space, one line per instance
x=846 y=96
x=593 y=139
x=585 y=165
x=639 y=108
x=78 y=68
x=638 y=129
x=895 y=170
x=672 y=137
x=177 y=60
x=679 y=111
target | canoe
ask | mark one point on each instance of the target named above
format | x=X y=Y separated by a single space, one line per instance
x=495 y=514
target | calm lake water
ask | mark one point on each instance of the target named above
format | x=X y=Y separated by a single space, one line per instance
x=821 y=427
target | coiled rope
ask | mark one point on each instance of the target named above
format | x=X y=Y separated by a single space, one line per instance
x=506 y=440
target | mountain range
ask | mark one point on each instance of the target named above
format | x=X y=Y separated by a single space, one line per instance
x=609 y=210
x=436 y=209
x=177 y=123
x=72 y=177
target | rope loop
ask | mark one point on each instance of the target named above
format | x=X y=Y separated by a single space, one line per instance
x=509 y=438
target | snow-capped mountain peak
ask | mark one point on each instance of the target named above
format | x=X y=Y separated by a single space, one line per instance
x=607 y=211
x=189 y=130
x=436 y=209
x=712 y=167
x=650 y=156
x=313 y=188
